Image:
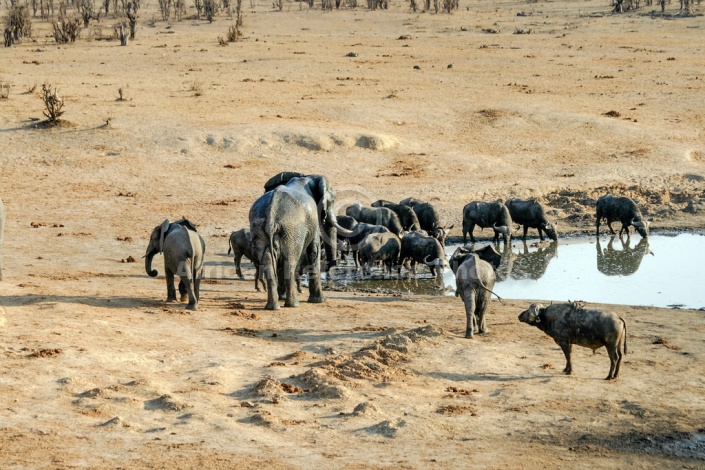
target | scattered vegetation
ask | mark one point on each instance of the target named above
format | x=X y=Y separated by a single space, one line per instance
x=18 y=25
x=53 y=105
x=66 y=28
x=5 y=91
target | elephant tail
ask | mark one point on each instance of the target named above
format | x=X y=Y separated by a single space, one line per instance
x=498 y=297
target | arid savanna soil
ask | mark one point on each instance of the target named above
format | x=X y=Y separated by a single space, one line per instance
x=98 y=372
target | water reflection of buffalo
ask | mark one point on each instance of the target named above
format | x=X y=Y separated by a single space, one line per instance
x=533 y=264
x=624 y=262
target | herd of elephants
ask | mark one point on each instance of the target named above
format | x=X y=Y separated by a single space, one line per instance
x=294 y=230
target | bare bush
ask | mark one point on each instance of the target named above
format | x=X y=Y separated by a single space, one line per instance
x=53 y=105
x=5 y=91
x=66 y=29
x=86 y=8
x=17 y=25
x=165 y=8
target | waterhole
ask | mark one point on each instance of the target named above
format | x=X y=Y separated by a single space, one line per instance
x=661 y=271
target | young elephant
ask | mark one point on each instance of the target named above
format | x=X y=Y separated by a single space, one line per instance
x=241 y=245
x=183 y=251
x=474 y=280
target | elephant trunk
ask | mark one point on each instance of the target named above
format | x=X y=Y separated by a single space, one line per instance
x=148 y=264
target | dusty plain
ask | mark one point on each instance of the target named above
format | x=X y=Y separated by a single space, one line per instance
x=97 y=371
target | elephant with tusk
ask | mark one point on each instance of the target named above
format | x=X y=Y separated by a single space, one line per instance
x=286 y=224
x=183 y=250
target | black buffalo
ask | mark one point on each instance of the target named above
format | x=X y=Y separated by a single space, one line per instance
x=620 y=209
x=487 y=214
x=428 y=218
x=570 y=324
x=407 y=216
x=376 y=216
x=530 y=214
x=424 y=249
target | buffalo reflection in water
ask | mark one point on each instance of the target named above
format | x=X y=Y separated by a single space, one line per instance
x=624 y=262
x=527 y=264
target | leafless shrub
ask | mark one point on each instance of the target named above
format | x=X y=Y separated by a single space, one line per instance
x=53 y=105
x=165 y=7
x=278 y=4
x=121 y=97
x=450 y=5
x=223 y=42
x=233 y=33
x=5 y=91
x=31 y=89
x=210 y=8
x=86 y=8
x=17 y=25
x=66 y=29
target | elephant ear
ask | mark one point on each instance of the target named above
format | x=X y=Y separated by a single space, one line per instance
x=184 y=222
x=162 y=233
x=280 y=179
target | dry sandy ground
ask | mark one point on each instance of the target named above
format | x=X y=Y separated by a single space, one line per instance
x=98 y=372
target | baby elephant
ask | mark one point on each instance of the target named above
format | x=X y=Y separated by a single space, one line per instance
x=183 y=251
x=570 y=324
x=474 y=280
x=241 y=245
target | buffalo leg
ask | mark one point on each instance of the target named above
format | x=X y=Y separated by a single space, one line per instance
x=567 y=349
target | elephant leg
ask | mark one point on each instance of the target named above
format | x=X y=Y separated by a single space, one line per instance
x=299 y=274
x=183 y=292
x=469 y=298
x=288 y=282
x=170 y=290
x=238 y=270
x=315 y=294
x=192 y=301
x=483 y=300
x=272 y=289
x=258 y=279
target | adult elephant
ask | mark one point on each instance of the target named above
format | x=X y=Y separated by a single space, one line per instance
x=2 y=226
x=183 y=250
x=286 y=224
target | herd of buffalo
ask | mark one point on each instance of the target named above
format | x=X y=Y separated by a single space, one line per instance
x=294 y=230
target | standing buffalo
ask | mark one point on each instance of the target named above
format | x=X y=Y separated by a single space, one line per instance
x=620 y=209
x=486 y=253
x=428 y=219
x=383 y=247
x=407 y=216
x=530 y=214
x=424 y=249
x=474 y=281
x=241 y=245
x=376 y=216
x=359 y=231
x=570 y=324
x=487 y=214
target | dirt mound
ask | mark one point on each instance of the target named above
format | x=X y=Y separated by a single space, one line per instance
x=377 y=362
x=385 y=428
x=166 y=403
